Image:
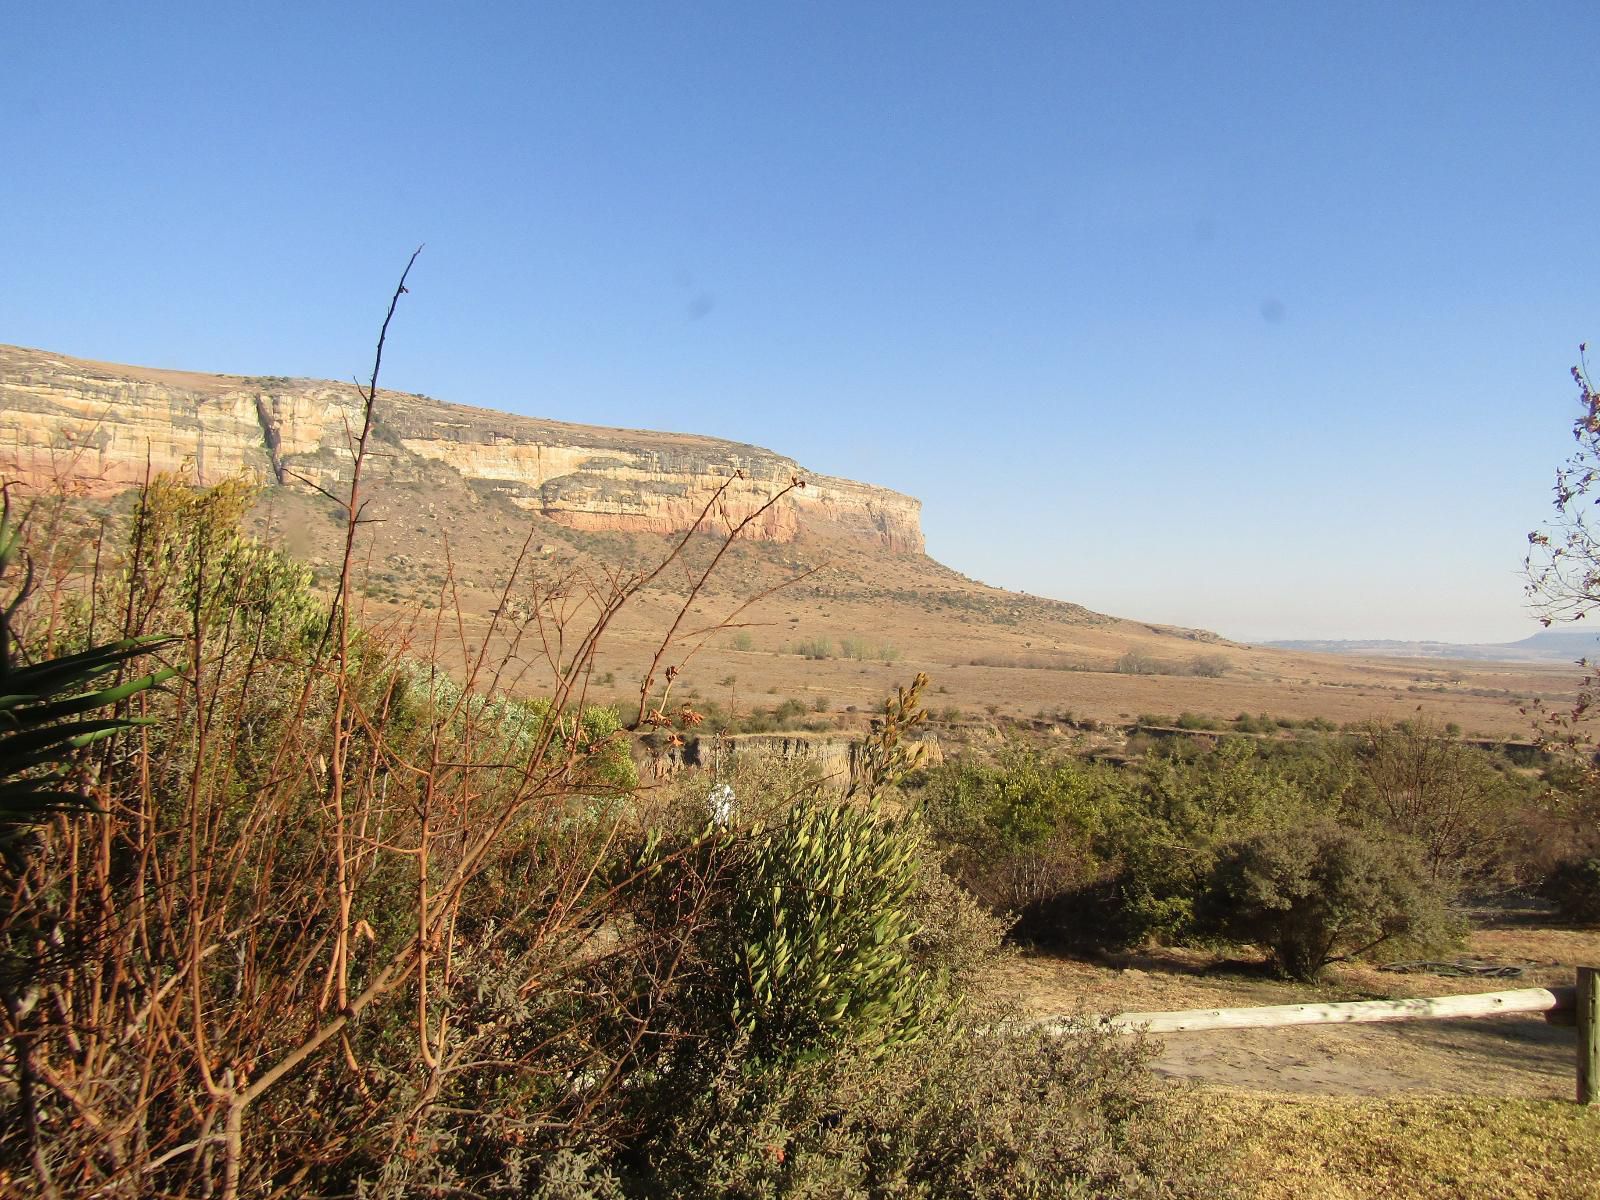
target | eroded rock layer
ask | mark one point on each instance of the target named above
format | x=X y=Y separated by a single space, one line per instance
x=108 y=426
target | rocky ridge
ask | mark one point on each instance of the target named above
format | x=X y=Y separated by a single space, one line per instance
x=108 y=426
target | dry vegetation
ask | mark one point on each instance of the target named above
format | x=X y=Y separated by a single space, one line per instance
x=373 y=902
x=981 y=645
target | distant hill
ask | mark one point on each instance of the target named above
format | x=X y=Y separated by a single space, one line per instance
x=1567 y=644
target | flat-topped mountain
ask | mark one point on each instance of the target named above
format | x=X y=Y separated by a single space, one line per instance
x=832 y=599
x=112 y=423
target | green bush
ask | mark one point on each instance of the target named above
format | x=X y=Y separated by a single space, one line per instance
x=1162 y=838
x=1245 y=723
x=1321 y=893
x=809 y=933
x=1019 y=830
x=1088 y=857
x=1573 y=886
x=819 y=942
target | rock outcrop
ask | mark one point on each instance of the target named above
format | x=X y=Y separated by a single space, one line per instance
x=107 y=426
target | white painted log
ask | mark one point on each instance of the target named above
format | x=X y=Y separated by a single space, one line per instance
x=1439 y=1008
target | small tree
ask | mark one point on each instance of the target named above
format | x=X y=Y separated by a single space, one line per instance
x=1442 y=795
x=1137 y=662
x=1319 y=894
x=887 y=753
x=1563 y=563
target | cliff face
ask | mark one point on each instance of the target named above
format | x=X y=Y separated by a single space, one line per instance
x=106 y=425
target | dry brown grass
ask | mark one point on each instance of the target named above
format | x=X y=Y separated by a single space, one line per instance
x=1429 y=1148
x=937 y=621
x=1434 y=1110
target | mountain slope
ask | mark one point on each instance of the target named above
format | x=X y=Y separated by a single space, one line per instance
x=832 y=599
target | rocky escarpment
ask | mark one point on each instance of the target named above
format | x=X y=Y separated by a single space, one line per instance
x=108 y=426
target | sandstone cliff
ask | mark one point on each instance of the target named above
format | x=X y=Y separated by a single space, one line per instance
x=106 y=425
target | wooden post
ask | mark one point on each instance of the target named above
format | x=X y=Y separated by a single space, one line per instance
x=1589 y=1035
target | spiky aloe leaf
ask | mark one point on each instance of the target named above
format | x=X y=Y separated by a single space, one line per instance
x=43 y=726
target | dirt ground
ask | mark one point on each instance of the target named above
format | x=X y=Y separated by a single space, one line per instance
x=1513 y=1056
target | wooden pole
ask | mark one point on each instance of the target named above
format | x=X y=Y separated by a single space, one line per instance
x=1589 y=1035
x=1438 y=1008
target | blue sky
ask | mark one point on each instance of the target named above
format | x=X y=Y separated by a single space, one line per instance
x=1251 y=317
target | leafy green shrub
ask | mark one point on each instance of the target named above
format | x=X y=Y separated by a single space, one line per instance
x=1321 y=893
x=790 y=713
x=1573 y=886
x=809 y=933
x=1019 y=830
x=1088 y=857
x=1163 y=837
x=1245 y=723
x=820 y=931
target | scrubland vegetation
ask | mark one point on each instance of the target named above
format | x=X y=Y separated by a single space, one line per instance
x=1317 y=849
x=318 y=919
x=286 y=909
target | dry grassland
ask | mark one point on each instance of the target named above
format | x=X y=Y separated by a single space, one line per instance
x=984 y=648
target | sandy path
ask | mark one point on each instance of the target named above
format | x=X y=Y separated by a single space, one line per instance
x=1512 y=1056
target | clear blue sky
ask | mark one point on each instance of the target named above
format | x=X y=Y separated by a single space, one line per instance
x=1253 y=317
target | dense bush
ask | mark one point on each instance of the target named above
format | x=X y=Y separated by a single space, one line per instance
x=818 y=942
x=1321 y=893
x=970 y=1114
x=1020 y=830
x=1086 y=857
x=1573 y=886
x=831 y=1085
x=337 y=902
x=1090 y=857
